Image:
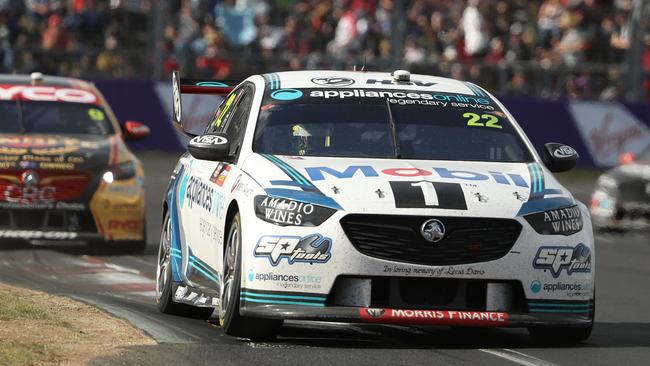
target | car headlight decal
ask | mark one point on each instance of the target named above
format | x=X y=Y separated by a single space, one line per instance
x=120 y=171
x=560 y=221
x=286 y=212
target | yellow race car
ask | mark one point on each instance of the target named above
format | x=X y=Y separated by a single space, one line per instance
x=66 y=174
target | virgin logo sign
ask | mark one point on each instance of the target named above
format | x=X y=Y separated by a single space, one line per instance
x=608 y=140
x=608 y=130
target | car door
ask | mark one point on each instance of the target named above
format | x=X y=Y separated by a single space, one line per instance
x=209 y=189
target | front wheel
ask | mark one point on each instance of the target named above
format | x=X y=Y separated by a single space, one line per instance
x=232 y=322
x=563 y=335
x=164 y=292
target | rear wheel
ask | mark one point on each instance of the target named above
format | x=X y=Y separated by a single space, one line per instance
x=164 y=293
x=232 y=322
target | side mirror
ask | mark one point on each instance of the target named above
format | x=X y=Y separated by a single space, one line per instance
x=134 y=130
x=559 y=157
x=214 y=147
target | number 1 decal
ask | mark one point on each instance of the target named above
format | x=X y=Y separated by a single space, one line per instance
x=426 y=194
x=429 y=192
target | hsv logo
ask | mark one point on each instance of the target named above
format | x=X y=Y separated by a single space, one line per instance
x=46 y=94
x=393 y=82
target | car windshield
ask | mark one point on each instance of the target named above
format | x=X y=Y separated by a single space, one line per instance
x=406 y=125
x=54 y=118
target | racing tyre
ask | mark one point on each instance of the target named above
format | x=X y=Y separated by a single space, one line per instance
x=232 y=322
x=563 y=335
x=164 y=281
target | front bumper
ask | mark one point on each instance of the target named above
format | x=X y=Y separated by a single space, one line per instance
x=115 y=212
x=456 y=318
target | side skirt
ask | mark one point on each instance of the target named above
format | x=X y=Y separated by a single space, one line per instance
x=194 y=296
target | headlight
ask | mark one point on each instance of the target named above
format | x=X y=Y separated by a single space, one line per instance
x=559 y=221
x=607 y=182
x=286 y=212
x=121 y=171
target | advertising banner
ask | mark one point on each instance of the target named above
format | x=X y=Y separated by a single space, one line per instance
x=609 y=129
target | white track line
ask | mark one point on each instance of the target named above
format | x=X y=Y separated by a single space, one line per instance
x=517 y=357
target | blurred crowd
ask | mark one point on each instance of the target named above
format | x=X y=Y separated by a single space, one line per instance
x=549 y=48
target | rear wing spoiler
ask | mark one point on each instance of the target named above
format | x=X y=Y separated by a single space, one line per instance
x=196 y=86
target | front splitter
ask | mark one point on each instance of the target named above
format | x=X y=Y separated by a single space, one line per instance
x=455 y=318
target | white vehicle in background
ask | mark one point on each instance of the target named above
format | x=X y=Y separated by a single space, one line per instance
x=368 y=197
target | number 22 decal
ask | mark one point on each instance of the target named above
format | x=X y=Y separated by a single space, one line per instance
x=474 y=119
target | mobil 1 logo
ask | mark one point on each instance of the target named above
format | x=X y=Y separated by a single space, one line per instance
x=426 y=194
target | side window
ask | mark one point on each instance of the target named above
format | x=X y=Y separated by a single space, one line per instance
x=232 y=115
x=224 y=111
x=236 y=124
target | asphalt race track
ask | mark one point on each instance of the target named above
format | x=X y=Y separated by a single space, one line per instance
x=123 y=284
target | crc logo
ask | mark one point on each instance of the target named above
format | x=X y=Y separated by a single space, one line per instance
x=556 y=259
x=432 y=230
x=29 y=194
x=332 y=81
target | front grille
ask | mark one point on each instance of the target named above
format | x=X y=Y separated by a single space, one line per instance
x=397 y=238
x=51 y=185
x=633 y=191
x=58 y=220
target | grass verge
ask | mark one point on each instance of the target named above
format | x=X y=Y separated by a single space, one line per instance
x=42 y=329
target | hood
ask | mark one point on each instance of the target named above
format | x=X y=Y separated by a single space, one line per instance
x=415 y=187
x=57 y=152
x=631 y=172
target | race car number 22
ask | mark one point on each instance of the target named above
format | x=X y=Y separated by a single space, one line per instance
x=476 y=120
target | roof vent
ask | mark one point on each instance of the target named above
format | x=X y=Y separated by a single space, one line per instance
x=401 y=75
x=37 y=78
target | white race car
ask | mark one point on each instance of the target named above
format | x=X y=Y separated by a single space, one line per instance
x=368 y=197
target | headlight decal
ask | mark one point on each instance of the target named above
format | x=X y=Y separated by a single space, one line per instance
x=286 y=212
x=560 y=221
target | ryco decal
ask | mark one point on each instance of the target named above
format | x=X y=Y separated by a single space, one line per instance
x=46 y=94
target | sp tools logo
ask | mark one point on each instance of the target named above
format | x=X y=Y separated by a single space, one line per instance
x=556 y=259
x=313 y=248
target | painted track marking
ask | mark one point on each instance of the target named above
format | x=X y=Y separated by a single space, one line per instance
x=517 y=357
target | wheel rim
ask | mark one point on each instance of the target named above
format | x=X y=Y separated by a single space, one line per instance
x=164 y=259
x=229 y=268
